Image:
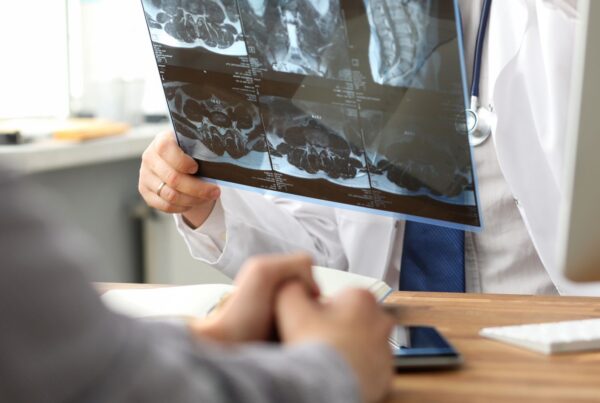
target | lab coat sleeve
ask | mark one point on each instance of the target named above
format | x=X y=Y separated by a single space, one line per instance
x=246 y=223
x=59 y=343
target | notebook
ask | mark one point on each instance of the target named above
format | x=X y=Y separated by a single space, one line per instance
x=196 y=301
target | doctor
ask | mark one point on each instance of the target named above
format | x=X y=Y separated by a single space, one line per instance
x=524 y=89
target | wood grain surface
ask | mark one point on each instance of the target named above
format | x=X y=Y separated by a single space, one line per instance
x=493 y=371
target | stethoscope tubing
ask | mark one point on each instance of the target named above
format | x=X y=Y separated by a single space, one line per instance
x=479 y=128
x=478 y=59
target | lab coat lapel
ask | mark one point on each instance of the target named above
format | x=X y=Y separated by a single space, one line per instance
x=508 y=23
x=530 y=101
x=556 y=22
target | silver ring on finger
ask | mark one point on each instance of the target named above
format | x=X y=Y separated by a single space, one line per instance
x=160 y=188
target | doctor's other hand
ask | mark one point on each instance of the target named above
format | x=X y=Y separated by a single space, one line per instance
x=352 y=323
x=248 y=314
x=165 y=162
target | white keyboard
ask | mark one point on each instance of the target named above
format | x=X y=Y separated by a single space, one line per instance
x=549 y=338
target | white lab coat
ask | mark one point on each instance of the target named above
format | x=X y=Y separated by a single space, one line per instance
x=530 y=44
x=533 y=44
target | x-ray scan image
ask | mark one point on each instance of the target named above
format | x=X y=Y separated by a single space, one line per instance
x=357 y=104
x=302 y=36
x=402 y=41
x=314 y=140
x=216 y=127
x=404 y=160
x=210 y=24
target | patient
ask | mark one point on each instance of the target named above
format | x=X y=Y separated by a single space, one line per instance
x=58 y=343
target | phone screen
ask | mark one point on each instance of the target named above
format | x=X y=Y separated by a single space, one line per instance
x=421 y=346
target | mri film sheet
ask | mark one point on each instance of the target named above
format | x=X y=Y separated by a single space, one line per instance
x=353 y=104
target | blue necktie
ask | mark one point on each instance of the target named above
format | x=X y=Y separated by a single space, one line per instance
x=433 y=259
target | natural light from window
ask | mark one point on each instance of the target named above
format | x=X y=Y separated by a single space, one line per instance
x=89 y=57
x=34 y=67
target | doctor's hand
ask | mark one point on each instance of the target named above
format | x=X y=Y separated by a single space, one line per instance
x=352 y=323
x=182 y=192
x=248 y=314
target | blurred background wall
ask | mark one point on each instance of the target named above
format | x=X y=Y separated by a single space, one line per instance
x=92 y=58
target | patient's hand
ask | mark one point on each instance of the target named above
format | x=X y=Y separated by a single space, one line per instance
x=249 y=313
x=352 y=323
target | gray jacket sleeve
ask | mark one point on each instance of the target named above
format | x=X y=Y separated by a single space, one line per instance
x=58 y=343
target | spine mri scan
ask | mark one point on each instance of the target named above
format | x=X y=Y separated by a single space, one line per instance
x=322 y=95
x=399 y=42
x=303 y=37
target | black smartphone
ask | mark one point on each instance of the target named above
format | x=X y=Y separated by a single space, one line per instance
x=422 y=347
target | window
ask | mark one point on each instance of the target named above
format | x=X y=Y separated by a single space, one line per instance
x=34 y=77
x=90 y=57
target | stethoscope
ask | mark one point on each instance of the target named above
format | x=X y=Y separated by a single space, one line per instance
x=479 y=119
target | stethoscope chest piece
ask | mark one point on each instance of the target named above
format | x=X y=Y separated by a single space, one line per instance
x=479 y=125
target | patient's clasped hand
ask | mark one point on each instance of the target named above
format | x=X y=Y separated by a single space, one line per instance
x=278 y=293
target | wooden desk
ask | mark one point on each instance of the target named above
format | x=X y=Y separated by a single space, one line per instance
x=493 y=372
